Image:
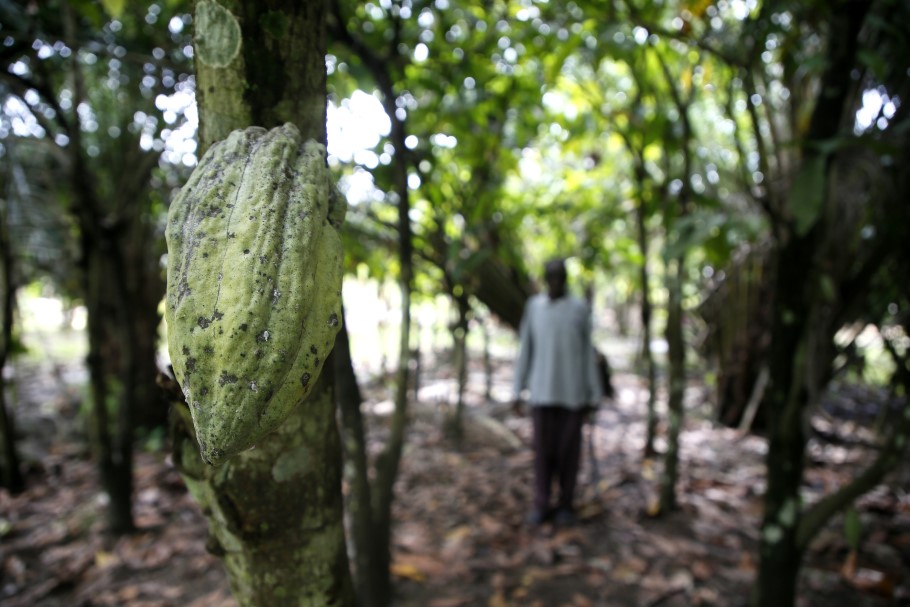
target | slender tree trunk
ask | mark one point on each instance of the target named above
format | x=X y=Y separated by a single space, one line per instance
x=487 y=360
x=10 y=473
x=143 y=293
x=113 y=451
x=127 y=338
x=792 y=334
x=97 y=244
x=675 y=268
x=460 y=335
x=646 y=313
x=677 y=384
x=388 y=464
x=275 y=512
x=780 y=554
x=367 y=578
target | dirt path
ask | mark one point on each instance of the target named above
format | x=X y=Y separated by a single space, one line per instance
x=459 y=536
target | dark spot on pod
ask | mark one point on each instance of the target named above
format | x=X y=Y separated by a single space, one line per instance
x=203 y=322
x=258 y=353
x=190 y=364
x=232 y=235
x=313 y=350
x=333 y=320
x=305 y=379
x=208 y=350
x=316 y=362
x=216 y=315
x=186 y=351
x=227 y=379
x=203 y=391
x=244 y=327
x=205 y=255
x=264 y=336
x=246 y=251
x=214 y=456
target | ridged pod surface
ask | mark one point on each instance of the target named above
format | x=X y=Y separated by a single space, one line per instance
x=253 y=284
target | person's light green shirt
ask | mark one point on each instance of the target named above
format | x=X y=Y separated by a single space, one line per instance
x=556 y=361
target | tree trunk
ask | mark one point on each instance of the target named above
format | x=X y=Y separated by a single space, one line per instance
x=113 y=450
x=460 y=335
x=487 y=360
x=388 y=464
x=10 y=473
x=677 y=384
x=646 y=312
x=275 y=512
x=795 y=328
x=780 y=555
x=368 y=580
x=98 y=246
x=144 y=290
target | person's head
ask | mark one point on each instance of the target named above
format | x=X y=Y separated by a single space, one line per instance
x=555 y=276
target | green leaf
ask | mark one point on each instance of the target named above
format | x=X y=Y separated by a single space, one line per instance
x=114 y=8
x=852 y=528
x=808 y=194
x=90 y=12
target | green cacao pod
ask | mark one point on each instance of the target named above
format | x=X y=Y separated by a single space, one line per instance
x=253 y=284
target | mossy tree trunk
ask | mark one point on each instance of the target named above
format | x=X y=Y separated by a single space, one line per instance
x=804 y=321
x=275 y=512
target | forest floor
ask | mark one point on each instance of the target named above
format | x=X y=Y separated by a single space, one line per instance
x=459 y=535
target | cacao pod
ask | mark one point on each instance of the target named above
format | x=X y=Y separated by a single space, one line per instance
x=253 y=284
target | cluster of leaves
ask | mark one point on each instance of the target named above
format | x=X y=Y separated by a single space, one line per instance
x=116 y=84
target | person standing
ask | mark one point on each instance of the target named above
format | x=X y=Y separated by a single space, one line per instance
x=556 y=365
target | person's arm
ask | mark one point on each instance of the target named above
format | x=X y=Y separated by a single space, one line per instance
x=525 y=351
x=589 y=363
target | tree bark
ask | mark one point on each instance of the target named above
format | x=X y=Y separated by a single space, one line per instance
x=795 y=328
x=275 y=512
x=646 y=313
x=388 y=464
x=10 y=473
x=460 y=335
x=98 y=245
x=677 y=384
x=368 y=582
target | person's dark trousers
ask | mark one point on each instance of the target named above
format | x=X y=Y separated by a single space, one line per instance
x=557 y=453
